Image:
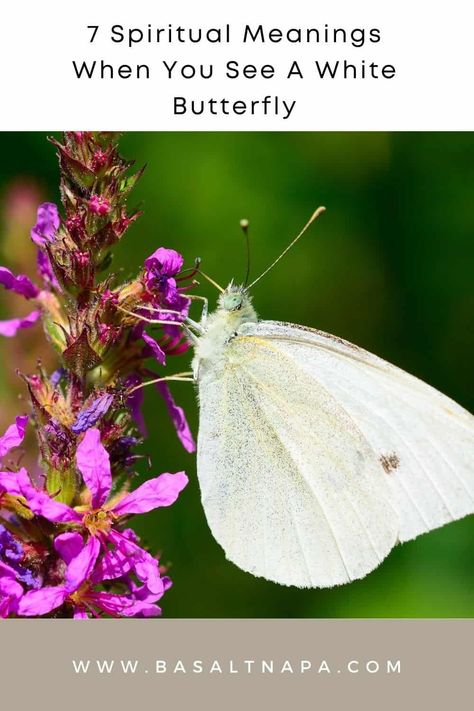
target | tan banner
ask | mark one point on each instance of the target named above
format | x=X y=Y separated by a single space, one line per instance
x=236 y=664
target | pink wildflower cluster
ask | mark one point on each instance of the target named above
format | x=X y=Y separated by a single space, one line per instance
x=66 y=546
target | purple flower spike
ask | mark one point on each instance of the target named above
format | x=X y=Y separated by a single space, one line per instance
x=94 y=464
x=66 y=549
x=47 y=223
x=20 y=284
x=92 y=414
x=10 y=327
x=14 y=435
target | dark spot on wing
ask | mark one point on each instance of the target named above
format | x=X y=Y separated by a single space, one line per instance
x=390 y=462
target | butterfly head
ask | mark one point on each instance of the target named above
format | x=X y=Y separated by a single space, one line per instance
x=236 y=300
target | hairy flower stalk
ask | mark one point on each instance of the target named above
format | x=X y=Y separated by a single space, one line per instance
x=66 y=546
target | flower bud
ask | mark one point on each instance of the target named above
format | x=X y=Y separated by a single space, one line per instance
x=99 y=205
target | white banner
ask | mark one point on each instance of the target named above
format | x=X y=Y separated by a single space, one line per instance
x=187 y=65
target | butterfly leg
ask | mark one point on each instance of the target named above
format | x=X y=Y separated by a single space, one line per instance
x=193 y=326
x=205 y=307
x=190 y=334
x=185 y=377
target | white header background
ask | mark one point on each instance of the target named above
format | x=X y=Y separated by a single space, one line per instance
x=429 y=43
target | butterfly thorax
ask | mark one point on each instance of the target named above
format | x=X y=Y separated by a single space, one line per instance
x=233 y=309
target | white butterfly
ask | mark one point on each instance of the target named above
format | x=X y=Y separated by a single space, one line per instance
x=316 y=457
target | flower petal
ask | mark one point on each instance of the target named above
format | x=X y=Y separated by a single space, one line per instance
x=47 y=222
x=57 y=376
x=11 y=326
x=142 y=609
x=94 y=464
x=45 y=270
x=125 y=606
x=163 y=490
x=19 y=284
x=10 y=594
x=17 y=483
x=10 y=587
x=153 y=348
x=144 y=594
x=69 y=545
x=14 y=435
x=42 y=505
x=40 y=602
x=80 y=614
x=179 y=418
x=92 y=414
x=110 y=603
x=81 y=567
x=113 y=564
x=165 y=261
x=6 y=571
x=144 y=565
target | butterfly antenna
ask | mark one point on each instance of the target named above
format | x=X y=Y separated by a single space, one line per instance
x=244 y=224
x=211 y=281
x=197 y=270
x=313 y=217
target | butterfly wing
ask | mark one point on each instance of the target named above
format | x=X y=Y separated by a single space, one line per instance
x=291 y=487
x=423 y=439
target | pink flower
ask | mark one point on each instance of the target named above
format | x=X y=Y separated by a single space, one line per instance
x=81 y=590
x=99 y=519
x=161 y=268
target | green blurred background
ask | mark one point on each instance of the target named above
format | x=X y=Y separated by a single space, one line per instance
x=389 y=267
